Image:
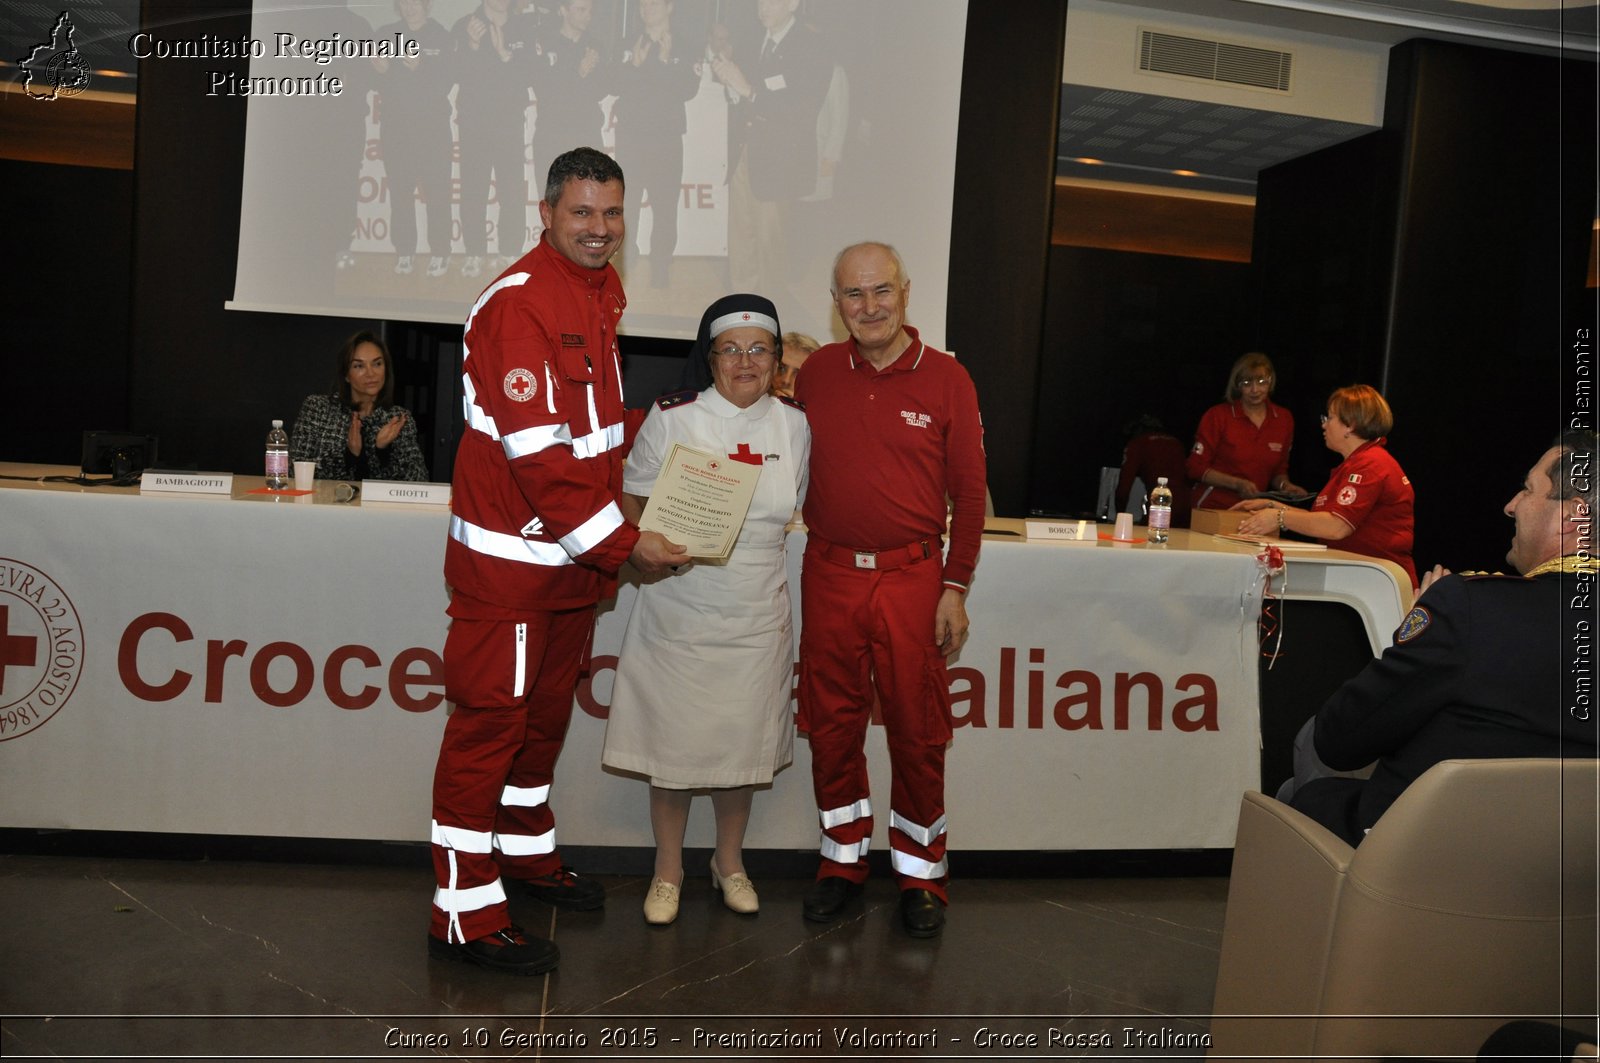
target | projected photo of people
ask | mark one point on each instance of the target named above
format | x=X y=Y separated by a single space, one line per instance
x=495 y=48
x=654 y=80
x=772 y=143
x=757 y=137
x=570 y=79
x=414 y=139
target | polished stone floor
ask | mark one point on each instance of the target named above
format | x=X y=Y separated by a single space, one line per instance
x=123 y=956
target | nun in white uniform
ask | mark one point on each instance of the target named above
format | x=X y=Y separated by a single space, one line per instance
x=701 y=699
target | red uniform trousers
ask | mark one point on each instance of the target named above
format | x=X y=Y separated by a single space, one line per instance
x=512 y=684
x=862 y=630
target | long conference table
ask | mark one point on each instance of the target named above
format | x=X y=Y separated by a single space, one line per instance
x=265 y=664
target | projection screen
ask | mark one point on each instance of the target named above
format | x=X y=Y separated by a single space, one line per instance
x=871 y=91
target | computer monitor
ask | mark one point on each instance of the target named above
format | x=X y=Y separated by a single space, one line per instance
x=119 y=454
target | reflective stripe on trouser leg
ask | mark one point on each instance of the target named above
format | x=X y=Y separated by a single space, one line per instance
x=847 y=832
x=914 y=691
x=529 y=797
x=474 y=756
x=494 y=749
x=835 y=704
x=917 y=851
x=525 y=823
x=451 y=898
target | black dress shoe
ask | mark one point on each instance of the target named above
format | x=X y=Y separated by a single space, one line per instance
x=566 y=889
x=922 y=913
x=508 y=950
x=827 y=897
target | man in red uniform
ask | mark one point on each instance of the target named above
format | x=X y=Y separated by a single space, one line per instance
x=895 y=431
x=536 y=539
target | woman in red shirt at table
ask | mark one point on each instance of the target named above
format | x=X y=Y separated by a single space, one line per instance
x=1367 y=505
x=1241 y=449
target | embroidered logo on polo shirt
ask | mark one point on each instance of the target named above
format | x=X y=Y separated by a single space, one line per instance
x=917 y=420
x=520 y=385
x=573 y=339
x=1347 y=495
x=1354 y=478
x=1274 y=447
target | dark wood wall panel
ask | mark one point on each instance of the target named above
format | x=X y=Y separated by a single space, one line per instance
x=65 y=303
x=1442 y=260
x=1127 y=334
x=210 y=378
x=1000 y=233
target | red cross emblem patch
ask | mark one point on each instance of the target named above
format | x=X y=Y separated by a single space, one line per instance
x=520 y=385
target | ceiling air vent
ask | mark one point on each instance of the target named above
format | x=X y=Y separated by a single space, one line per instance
x=1196 y=57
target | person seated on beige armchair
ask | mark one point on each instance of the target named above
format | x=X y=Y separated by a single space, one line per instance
x=1482 y=666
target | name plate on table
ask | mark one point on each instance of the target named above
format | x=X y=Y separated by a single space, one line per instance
x=1066 y=531
x=160 y=481
x=404 y=491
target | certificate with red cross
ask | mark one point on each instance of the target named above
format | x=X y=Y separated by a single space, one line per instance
x=700 y=500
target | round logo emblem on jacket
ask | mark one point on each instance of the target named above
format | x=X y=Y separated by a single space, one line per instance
x=521 y=385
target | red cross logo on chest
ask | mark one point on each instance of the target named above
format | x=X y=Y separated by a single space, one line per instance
x=744 y=454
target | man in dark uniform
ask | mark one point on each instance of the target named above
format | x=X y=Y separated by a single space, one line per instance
x=569 y=83
x=1482 y=666
x=772 y=144
x=495 y=46
x=414 y=110
x=654 y=80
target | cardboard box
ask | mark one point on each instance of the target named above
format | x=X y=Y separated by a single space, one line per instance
x=1215 y=521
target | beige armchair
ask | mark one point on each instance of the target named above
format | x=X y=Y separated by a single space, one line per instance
x=1471 y=902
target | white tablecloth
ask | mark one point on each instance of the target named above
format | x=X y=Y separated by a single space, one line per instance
x=270 y=666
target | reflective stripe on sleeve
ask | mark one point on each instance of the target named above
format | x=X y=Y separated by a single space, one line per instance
x=507 y=547
x=592 y=532
x=472 y=413
x=599 y=441
x=510 y=280
x=920 y=834
x=542 y=437
x=533 y=440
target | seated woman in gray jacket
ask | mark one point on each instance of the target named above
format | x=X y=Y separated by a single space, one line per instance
x=356 y=432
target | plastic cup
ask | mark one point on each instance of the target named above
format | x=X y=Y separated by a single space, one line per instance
x=1124 y=527
x=305 y=474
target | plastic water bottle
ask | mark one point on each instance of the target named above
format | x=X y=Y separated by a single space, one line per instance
x=1160 y=510
x=277 y=457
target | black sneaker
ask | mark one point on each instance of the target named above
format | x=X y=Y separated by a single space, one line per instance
x=508 y=950
x=566 y=889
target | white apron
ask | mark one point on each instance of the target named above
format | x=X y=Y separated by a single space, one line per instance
x=702 y=691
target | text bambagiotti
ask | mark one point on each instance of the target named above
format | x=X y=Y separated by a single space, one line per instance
x=320 y=51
